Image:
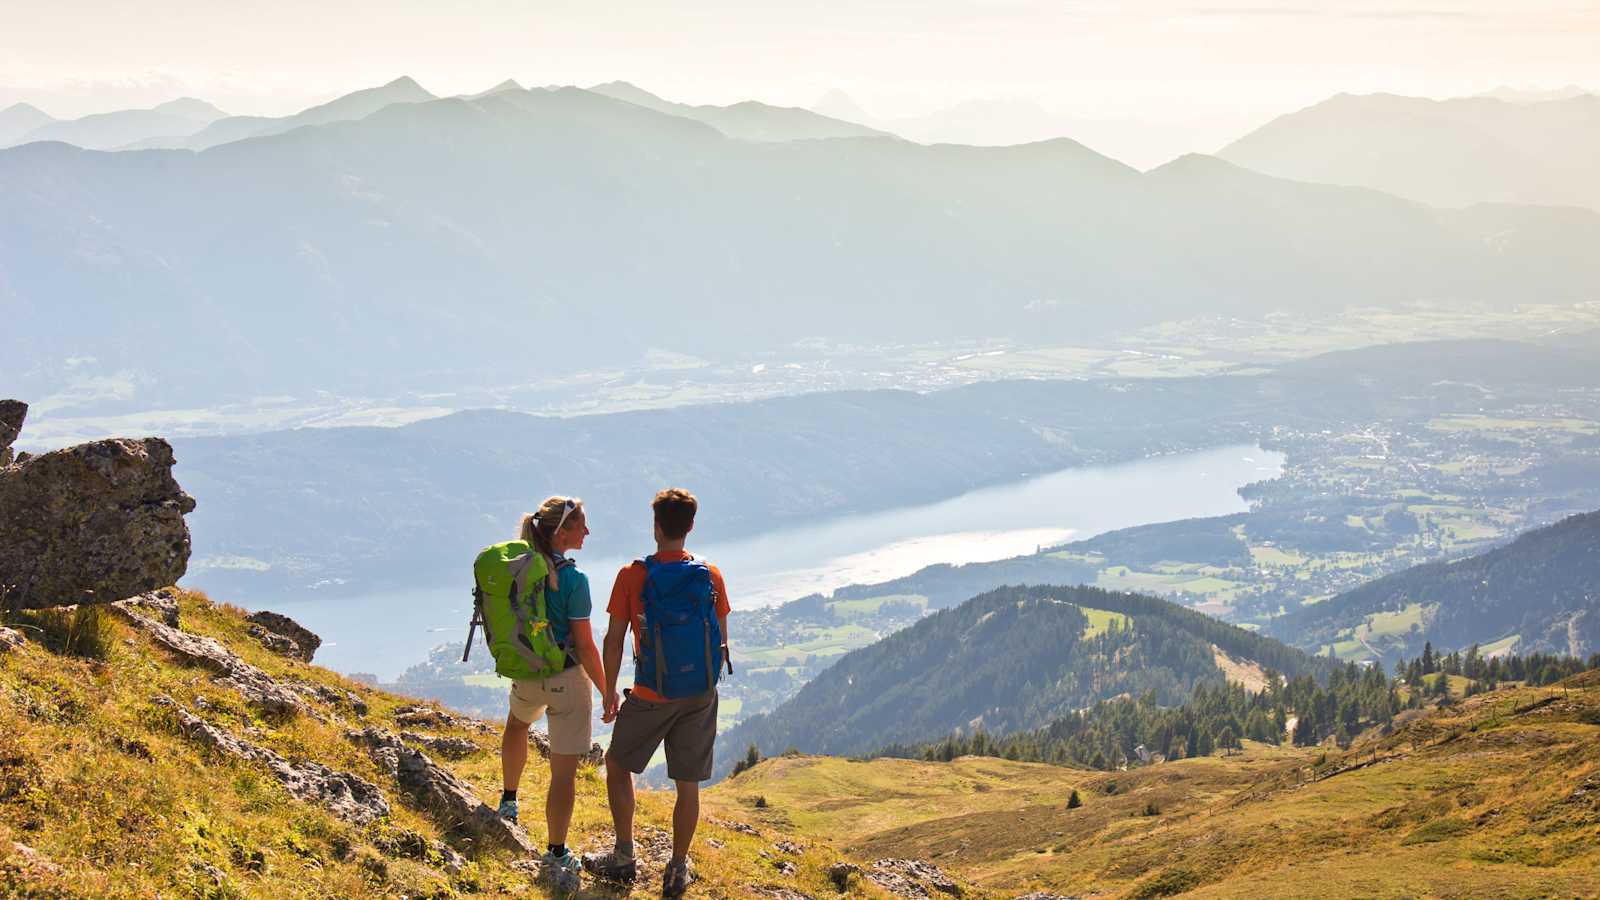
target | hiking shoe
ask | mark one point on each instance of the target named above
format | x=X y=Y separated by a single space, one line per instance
x=610 y=866
x=508 y=811
x=562 y=873
x=676 y=878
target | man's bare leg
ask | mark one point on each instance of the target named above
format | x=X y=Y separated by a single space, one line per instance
x=619 y=793
x=685 y=816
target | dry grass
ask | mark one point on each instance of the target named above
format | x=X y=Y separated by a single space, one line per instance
x=1494 y=797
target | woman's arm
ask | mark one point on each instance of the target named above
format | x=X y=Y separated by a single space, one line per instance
x=588 y=654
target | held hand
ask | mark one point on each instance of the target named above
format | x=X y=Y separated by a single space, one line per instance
x=610 y=713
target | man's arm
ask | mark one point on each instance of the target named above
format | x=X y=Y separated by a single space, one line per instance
x=616 y=633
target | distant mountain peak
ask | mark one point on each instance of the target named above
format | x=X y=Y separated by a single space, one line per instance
x=632 y=93
x=837 y=104
x=191 y=108
x=24 y=109
x=510 y=84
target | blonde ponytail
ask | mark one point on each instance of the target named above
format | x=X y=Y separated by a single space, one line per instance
x=539 y=528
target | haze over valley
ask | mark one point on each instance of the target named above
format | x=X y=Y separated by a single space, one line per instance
x=1147 y=449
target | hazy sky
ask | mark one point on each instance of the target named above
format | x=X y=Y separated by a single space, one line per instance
x=897 y=57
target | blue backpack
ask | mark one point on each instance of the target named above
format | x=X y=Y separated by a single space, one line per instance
x=681 y=653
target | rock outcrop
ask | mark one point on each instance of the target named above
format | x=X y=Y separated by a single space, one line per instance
x=11 y=639
x=302 y=642
x=12 y=412
x=911 y=878
x=252 y=684
x=350 y=797
x=89 y=524
x=439 y=791
x=163 y=603
x=448 y=747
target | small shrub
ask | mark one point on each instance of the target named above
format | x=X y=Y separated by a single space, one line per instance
x=1151 y=809
x=1074 y=801
x=1111 y=787
x=81 y=631
x=761 y=803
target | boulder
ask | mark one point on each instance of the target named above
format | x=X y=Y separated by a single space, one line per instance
x=347 y=796
x=303 y=640
x=92 y=523
x=11 y=639
x=439 y=791
x=12 y=412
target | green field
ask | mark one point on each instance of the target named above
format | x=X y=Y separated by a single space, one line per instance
x=834 y=641
x=1100 y=621
x=867 y=606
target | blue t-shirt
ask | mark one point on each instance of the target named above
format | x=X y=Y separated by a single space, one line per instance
x=570 y=601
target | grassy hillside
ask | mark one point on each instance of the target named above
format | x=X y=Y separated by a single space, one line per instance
x=112 y=799
x=1497 y=796
x=1537 y=593
x=1011 y=659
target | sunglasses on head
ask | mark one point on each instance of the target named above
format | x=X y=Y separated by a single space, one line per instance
x=566 y=510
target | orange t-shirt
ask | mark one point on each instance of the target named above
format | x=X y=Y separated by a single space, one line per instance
x=627 y=602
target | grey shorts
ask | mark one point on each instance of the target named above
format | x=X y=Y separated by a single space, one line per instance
x=689 y=728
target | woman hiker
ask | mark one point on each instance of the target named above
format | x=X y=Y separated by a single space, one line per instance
x=557 y=529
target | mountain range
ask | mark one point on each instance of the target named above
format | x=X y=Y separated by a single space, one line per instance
x=170 y=121
x=750 y=120
x=268 y=259
x=1442 y=152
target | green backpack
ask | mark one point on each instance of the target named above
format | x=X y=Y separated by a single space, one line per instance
x=509 y=602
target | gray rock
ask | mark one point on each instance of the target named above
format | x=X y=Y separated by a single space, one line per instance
x=304 y=639
x=347 y=796
x=91 y=524
x=541 y=745
x=439 y=791
x=910 y=878
x=11 y=639
x=332 y=696
x=277 y=643
x=253 y=684
x=163 y=603
x=419 y=716
x=449 y=747
x=12 y=414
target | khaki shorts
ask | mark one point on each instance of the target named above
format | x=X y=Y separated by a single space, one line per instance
x=688 y=726
x=566 y=700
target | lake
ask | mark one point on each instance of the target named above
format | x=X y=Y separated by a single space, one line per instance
x=384 y=632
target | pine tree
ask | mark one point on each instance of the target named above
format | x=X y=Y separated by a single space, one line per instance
x=1074 y=801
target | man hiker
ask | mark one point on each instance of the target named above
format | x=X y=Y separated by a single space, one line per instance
x=677 y=607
